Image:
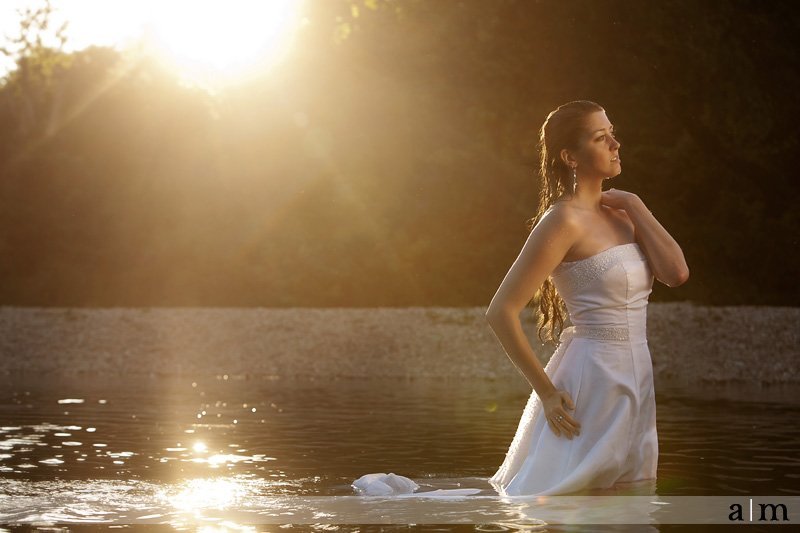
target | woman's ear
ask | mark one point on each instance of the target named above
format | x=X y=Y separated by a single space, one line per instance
x=566 y=157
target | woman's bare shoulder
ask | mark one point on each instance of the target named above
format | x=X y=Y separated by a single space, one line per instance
x=563 y=212
x=622 y=215
x=559 y=217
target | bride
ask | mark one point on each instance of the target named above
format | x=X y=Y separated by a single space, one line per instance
x=590 y=421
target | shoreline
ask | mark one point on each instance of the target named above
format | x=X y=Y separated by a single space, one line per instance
x=689 y=344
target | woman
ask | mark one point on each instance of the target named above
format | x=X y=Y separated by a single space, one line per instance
x=590 y=421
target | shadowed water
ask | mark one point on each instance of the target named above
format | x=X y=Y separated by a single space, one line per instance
x=103 y=450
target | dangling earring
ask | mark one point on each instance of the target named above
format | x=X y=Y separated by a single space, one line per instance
x=574 y=180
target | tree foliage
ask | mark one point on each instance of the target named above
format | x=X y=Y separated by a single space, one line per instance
x=391 y=161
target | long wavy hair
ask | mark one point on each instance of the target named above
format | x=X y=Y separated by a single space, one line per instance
x=563 y=128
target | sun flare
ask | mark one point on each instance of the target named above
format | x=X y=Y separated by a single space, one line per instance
x=209 y=39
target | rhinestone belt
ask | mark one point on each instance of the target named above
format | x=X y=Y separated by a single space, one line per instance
x=603 y=332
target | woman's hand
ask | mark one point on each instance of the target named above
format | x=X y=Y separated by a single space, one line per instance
x=555 y=405
x=618 y=199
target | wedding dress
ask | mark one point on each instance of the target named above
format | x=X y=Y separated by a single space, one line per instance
x=603 y=361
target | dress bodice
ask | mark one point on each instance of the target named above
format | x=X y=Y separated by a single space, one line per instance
x=610 y=288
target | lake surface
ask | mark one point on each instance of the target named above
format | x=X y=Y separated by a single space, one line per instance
x=221 y=450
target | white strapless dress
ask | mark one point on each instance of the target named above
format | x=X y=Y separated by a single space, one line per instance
x=603 y=361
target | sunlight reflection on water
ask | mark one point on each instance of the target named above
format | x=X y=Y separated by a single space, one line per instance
x=164 y=450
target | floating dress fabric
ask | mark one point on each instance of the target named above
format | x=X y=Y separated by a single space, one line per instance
x=603 y=361
x=382 y=484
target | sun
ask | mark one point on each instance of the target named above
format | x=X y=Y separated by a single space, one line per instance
x=222 y=39
x=209 y=41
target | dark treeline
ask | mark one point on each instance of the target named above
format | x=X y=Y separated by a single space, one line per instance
x=390 y=161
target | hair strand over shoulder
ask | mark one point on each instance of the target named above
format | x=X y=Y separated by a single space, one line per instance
x=562 y=129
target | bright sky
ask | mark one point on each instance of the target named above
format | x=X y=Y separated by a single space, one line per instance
x=202 y=37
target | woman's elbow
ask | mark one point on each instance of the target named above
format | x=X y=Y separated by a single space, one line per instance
x=681 y=278
x=497 y=314
x=491 y=315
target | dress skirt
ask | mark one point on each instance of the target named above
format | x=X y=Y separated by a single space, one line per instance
x=611 y=383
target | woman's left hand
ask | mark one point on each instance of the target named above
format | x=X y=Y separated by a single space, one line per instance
x=617 y=198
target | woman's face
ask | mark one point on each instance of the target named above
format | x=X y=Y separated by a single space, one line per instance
x=599 y=152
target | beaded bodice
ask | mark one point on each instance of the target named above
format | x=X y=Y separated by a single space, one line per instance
x=607 y=293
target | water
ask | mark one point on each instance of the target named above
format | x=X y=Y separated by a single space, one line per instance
x=221 y=450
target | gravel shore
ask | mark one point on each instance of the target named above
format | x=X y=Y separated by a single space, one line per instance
x=688 y=343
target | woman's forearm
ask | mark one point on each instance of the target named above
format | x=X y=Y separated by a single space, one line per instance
x=663 y=252
x=508 y=330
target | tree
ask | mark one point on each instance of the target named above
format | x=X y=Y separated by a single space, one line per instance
x=31 y=93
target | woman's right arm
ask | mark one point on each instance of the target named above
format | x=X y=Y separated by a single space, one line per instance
x=544 y=249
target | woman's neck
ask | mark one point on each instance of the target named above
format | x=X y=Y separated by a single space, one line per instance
x=587 y=196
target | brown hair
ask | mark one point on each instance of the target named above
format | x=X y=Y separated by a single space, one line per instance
x=562 y=128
